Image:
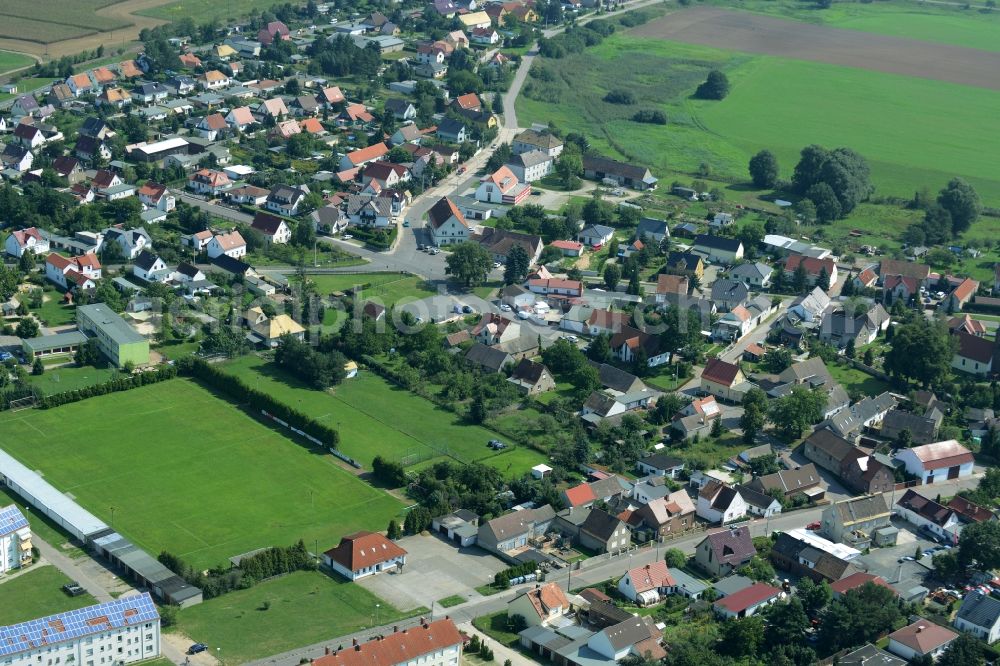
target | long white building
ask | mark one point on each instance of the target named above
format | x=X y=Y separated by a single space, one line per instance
x=122 y=631
x=15 y=539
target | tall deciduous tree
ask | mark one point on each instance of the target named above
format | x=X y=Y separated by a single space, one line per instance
x=795 y=412
x=716 y=86
x=962 y=202
x=764 y=169
x=469 y=263
x=612 y=276
x=921 y=351
x=980 y=543
x=754 y=413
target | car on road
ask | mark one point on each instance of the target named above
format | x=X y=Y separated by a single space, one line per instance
x=196 y=648
x=906 y=558
x=461 y=170
x=504 y=307
x=421 y=247
x=406 y=223
x=536 y=193
x=467 y=309
x=434 y=250
x=73 y=589
x=348 y=236
x=6 y=356
x=813 y=526
x=523 y=314
x=569 y=338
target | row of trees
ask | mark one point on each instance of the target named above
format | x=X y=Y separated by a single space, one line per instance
x=256 y=400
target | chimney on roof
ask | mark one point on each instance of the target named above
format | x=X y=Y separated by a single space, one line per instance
x=423 y=621
x=447 y=617
x=920 y=628
x=326 y=650
x=357 y=648
x=395 y=628
x=354 y=641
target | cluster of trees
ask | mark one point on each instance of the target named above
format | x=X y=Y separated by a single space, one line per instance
x=321 y=370
x=650 y=116
x=341 y=57
x=388 y=472
x=469 y=263
x=921 y=351
x=715 y=86
x=533 y=219
x=575 y=39
x=764 y=170
x=256 y=400
x=835 y=181
x=252 y=569
x=948 y=216
x=620 y=96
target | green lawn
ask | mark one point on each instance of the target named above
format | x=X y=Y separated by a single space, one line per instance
x=305 y=608
x=36 y=593
x=70 y=378
x=176 y=350
x=206 y=12
x=856 y=381
x=10 y=60
x=914 y=132
x=495 y=626
x=25 y=85
x=53 y=312
x=914 y=20
x=376 y=418
x=453 y=600
x=189 y=472
x=385 y=288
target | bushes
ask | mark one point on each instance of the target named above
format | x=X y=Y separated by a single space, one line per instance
x=252 y=569
x=650 y=116
x=388 y=472
x=620 y=96
x=238 y=390
x=122 y=383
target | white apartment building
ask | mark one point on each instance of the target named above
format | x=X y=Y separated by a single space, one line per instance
x=122 y=631
x=15 y=539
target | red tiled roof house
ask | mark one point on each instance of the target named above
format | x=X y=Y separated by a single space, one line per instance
x=364 y=554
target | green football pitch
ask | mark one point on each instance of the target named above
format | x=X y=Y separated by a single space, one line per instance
x=183 y=470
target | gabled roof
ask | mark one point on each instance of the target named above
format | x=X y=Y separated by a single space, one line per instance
x=731 y=546
x=906 y=269
x=790 y=480
x=717 y=242
x=364 y=549
x=942 y=454
x=671 y=284
x=544 y=599
x=266 y=223
x=754 y=595
x=230 y=241
x=970 y=510
x=601 y=524
x=720 y=372
x=444 y=210
x=146 y=260
x=974 y=348
x=926 y=508
x=856 y=580
x=372 y=152
x=579 y=495
x=859 y=509
x=399 y=647
x=832 y=445
x=651 y=577
x=979 y=609
x=811 y=265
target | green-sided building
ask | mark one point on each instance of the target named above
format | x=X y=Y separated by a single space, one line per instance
x=115 y=338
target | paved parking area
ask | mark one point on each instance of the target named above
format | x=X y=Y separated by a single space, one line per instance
x=434 y=569
x=905 y=575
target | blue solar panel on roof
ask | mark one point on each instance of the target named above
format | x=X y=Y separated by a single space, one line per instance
x=11 y=519
x=74 y=623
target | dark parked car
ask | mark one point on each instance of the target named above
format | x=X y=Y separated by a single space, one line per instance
x=196 y=648
x=73 y=589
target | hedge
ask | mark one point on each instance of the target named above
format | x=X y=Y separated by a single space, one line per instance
x=242 y=392
x=121 y=383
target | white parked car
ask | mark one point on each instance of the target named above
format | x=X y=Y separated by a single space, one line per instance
x=523 y=314
x=504 y=307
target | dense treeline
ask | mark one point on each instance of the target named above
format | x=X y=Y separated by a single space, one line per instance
x=120 y=383
x=256 y=400
x=320 y=370
x=252 y=569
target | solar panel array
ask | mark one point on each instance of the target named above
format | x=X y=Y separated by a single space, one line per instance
x=74 y=624
x=11 y=519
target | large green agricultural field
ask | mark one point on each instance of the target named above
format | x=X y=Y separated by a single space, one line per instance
x=10 y=60
x=191 y=473
x=946 y=24
x=914 y=132
x=49 y=21
x=305 y=608
x=376 y=418
x=36 y=593
x=206 y=12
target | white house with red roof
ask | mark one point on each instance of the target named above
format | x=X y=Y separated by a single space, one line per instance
x=197 y=241
x=73 y=272
x=555 y=286
x=209 y=181
x=813 y=267
x=494 y=329
x=961 y=294
x=647 y=584
x=231 y=244
x=922 y=638
x=155 y=195
x=569 y=248
x=362 y=156
x=540 y=605
x=937 y=461
x=364 y=554
x=748 y=601
x=436 y=643
x=26 y=240
x=502 y=187
x=447 y=223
